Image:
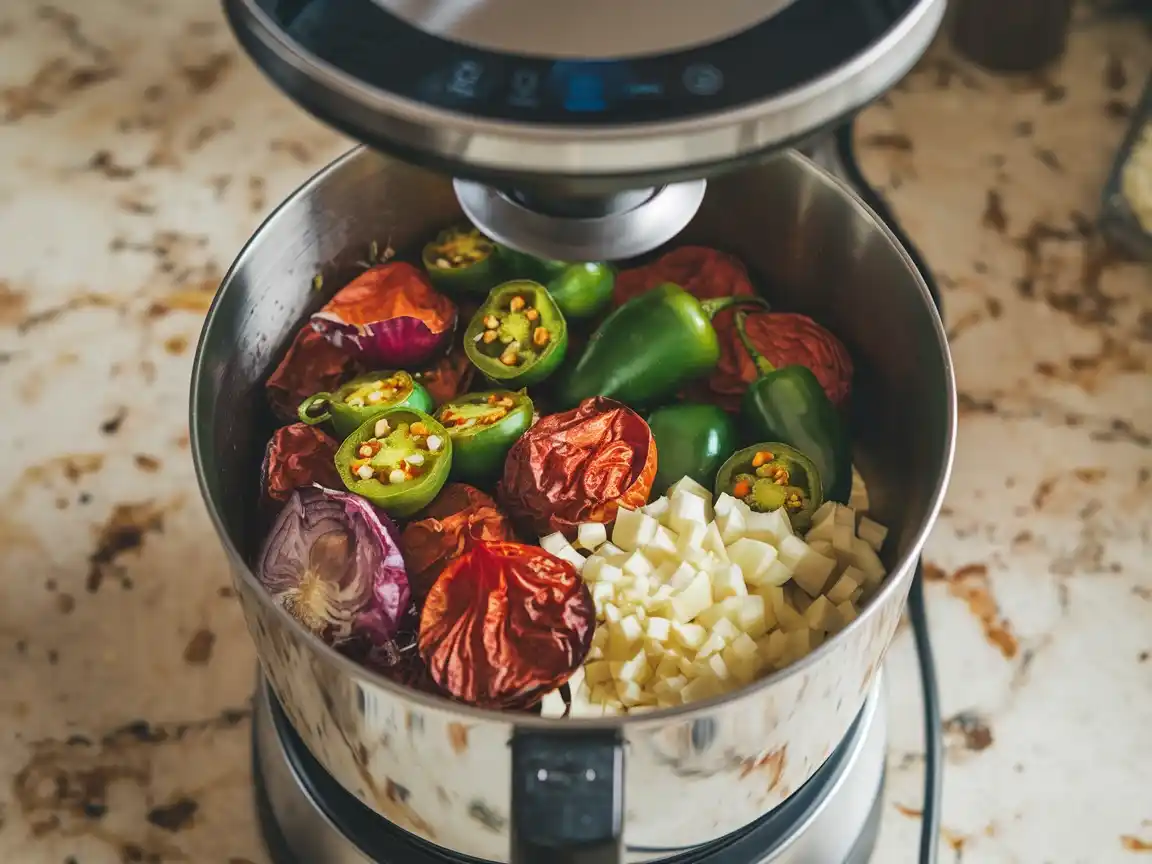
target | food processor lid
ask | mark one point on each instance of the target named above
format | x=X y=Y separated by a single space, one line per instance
x=589 y=97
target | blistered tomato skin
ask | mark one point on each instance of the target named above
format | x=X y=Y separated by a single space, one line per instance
x=579 y=466
x=443 y=531
x=298 y=456
x=504 y=624
x=784 y=339
x=311 y=364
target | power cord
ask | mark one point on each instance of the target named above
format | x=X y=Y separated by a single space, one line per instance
x=917 y=608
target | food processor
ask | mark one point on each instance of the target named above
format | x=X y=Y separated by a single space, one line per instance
x=589 y=131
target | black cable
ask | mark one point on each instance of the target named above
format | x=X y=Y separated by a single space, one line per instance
x=917 y=608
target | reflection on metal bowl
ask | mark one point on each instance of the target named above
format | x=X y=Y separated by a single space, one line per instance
x=694 y=774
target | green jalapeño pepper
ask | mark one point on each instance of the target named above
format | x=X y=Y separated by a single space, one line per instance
x=483 y=427
x=518 y=337
x=692 y=440
x=583 y=291
x=398 y=460
x=461 y=260
x=648 y=348
x=521 y=265
x=770 y=476
x=363 y=398
x=790 y=406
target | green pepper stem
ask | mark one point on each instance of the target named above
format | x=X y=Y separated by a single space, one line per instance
x=760 y=361
x=718 y=304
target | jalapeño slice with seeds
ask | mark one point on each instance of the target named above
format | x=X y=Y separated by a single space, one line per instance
x=483 y=427
x=361 y=399
x=461 y=260
x=399 y=460
x=518 y=337
x=772 y=475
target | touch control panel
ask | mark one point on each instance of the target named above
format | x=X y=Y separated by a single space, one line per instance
x=804 y=42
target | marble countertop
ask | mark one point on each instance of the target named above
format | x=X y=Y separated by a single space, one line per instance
x=140 y=149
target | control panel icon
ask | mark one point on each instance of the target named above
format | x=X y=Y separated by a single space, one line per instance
x=464 y=79
x=703 y=79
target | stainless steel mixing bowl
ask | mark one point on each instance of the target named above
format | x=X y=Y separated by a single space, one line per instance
x=691 y=775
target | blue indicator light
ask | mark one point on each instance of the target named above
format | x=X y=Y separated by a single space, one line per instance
x=585 y=93
x=645 y=89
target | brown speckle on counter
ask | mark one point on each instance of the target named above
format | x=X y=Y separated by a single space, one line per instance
x=968 y=731
x=1132 y=843
x=202 y=77
x=198 y=651
x=175 y=816
x=146 y=463
x=994 y=217
x=123 y=532
x=971 y=584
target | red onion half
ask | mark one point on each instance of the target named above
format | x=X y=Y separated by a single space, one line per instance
x=333 y=562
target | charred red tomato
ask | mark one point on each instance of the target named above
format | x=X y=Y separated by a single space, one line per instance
x=785 y=339
x=579 y=466
x=298 y=456
x=443 y=531
x=390 y=316
x=504 y=624
x=312 y=364
x=449 y=377
x=702 y=272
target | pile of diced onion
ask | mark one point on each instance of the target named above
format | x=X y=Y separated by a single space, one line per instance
x=696 y=598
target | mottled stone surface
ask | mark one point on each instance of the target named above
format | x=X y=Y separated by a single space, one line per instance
x=140 y=150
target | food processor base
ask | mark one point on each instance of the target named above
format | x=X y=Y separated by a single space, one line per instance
x=307 y=818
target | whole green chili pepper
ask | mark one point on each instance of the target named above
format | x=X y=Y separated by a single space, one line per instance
x=520 y=265
x=461 y=260
x=582 y=290
x=483 y=427
x=398 y=460
x=361 y=399
x=518 y=337
x=772 y=475
x=790 y=406
x=692 y=440
x=648 y=348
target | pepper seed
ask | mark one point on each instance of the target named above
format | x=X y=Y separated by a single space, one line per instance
x=540 y=337
x=517 y=303
x=491 y=322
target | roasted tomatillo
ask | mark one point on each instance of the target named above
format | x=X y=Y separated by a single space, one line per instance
x=772 y=475
x=789 y=405
x=692 y=440
x=461 y=260
x=519 y=336
x=361 y=399
x=398 y=460
x=483 y=427
x=647 y=349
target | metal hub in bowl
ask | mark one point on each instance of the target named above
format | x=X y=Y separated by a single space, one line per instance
x=306 y=816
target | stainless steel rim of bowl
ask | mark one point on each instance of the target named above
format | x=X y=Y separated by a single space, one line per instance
x=654 y=718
